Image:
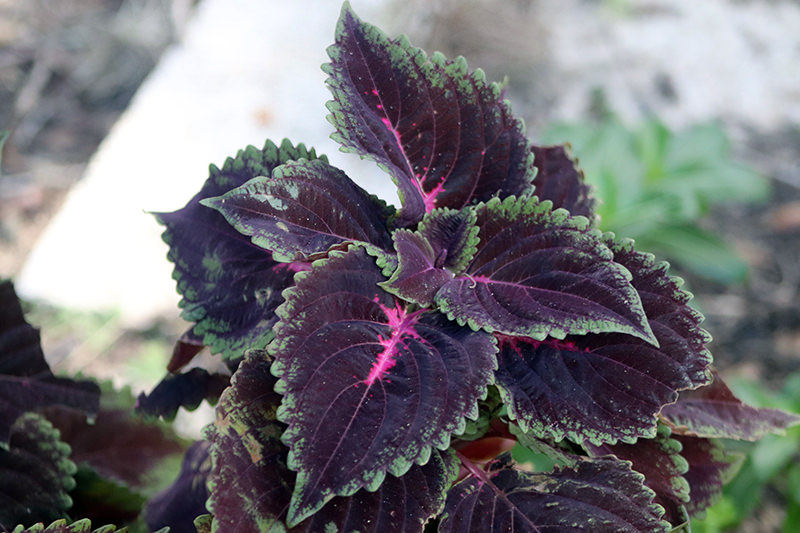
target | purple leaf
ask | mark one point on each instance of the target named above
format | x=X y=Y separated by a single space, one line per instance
x=36 y=473
x=186 y=390
x=179 y=504
x=303 y=208
x=663 y=467
x=185 y=349
x=602 y=495
x=230 y=287
x=713 y=411
x=444 y=135
x=252 y=486
x=118 y=445
x=607 y=387
x=559 y=180
x=429 y=257
x=581 y=388
x=26 y=382
x=675 y=324
x=418 y=275
x=710 y=467
x=540 y=273
x=369 y=386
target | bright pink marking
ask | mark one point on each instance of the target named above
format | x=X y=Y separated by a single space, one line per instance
x=401 y=324
x=428 y=198
x=557 y=344
x=375 y=92
x=379 y=106
x=295 y=266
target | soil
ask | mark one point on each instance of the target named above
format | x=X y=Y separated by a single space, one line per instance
x=60 y=92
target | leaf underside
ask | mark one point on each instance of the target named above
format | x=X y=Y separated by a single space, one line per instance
x=602 y=495
x=397 y=382
x=230 y=288
x=187 y=390
x=393 y=104
x=713 y=411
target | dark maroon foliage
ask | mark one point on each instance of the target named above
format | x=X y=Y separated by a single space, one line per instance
x=384 y=360
x=382 y=349
x=26 y=381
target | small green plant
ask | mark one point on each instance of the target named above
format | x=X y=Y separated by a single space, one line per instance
x=655 y=185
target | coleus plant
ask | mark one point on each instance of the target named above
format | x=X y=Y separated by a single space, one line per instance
x=386 y=360
x=388 y=365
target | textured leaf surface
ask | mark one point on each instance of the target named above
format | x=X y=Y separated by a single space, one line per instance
x=369 y=386
x=229 y=287
x=559 y=180
x=660 y=461
x=303 y=208
x=676 y=325
x=598 y=496
x=609 y=387
x=186 y=390
x=713 y=411
x=408 y=112
x=61 y=526
x=252 y=485
x=26 y=381
x=36 y=473
x=538 y=273
x=710 y=466
x=429 y=257
x=179 y=504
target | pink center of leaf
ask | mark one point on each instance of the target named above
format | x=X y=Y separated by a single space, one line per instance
x=428 y=198
x=401 y=324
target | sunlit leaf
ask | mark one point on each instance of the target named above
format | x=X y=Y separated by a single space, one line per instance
x=369 y=385
x=407 y=111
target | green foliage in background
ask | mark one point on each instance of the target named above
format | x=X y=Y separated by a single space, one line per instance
x=773 y=461
x=655 y=185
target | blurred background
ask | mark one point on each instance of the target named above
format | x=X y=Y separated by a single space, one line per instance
x=684 y=115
